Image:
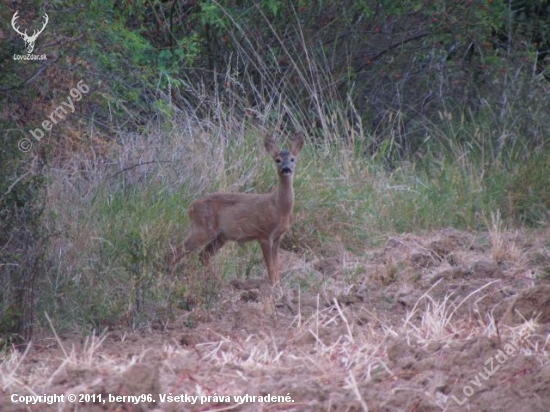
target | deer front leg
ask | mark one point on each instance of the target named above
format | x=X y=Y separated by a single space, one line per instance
x=267 y=250
x=275 y=255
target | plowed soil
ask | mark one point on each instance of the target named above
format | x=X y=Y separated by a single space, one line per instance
x=446 y=321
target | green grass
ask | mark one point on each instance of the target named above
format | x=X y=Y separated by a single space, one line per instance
x=116 y=230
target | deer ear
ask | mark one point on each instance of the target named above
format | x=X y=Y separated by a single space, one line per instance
x=270 y=146
x=297 y=143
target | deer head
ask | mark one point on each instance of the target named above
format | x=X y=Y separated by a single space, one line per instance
x=284 y=158
x=29 y=40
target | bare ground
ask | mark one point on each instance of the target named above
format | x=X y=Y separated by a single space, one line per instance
x=447 y=321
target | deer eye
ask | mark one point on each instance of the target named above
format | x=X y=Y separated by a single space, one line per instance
x=292 y=159
x=278 y=160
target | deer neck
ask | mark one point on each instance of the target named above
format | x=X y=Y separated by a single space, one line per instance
x=285 y=196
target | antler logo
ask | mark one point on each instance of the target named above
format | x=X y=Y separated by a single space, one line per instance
x=29 y=40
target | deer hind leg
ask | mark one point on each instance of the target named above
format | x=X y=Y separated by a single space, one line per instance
x=210 y=250
x=196 y=238
x=174 y=259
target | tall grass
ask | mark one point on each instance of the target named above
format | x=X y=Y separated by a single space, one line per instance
x=118 y=215
x=118 y=220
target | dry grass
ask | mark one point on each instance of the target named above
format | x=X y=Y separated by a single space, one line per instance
x=353 y=359
x=328 y=344
x=504 y=248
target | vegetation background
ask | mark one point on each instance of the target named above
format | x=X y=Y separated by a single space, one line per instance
x=419 y=114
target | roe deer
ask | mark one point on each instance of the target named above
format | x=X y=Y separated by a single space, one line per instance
x=242 y=217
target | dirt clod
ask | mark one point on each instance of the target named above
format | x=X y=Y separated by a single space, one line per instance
x=532 y=303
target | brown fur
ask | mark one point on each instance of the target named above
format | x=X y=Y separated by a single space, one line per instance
x=242 y=217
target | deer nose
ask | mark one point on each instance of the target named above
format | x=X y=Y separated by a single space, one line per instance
x=286 y=170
